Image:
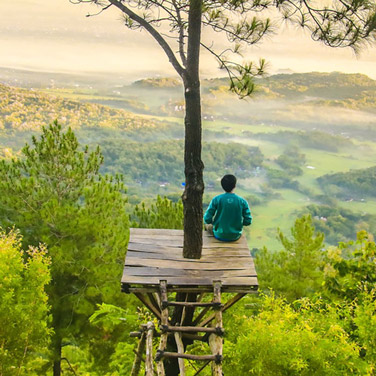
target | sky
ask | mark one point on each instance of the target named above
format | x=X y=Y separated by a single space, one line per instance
x=56 y=36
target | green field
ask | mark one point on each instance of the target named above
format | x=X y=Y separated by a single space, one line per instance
x=282 y=212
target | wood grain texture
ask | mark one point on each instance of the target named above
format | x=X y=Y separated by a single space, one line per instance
x=156 y=254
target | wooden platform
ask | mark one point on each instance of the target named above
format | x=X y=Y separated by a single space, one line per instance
x=154 y=255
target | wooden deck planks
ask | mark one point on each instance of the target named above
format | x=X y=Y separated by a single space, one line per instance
x=151 y=281
x=142 y=271
x=156 y=254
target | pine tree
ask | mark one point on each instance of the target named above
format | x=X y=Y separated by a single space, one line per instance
x=295 y=271
x=54 y=194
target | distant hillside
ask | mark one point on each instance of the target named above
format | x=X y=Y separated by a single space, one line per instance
x=158 y=83
x=22 y=109
x=352 y=91
x=356 y=91
x=319 y=86
x=298 y=101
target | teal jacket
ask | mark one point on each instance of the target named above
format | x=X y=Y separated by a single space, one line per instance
x=228 y=213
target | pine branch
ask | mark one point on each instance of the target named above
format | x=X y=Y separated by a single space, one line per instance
x=154 y=33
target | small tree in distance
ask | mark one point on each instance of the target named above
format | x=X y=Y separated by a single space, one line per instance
x=341 y=23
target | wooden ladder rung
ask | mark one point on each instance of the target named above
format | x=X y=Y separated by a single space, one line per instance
x=215 y=305
x=164 y=354
x=183 y=329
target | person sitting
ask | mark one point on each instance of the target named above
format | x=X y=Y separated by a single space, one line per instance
x=227 y=213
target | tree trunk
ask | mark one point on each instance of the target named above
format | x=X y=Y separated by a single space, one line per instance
x=57 y=355
x=194 y=184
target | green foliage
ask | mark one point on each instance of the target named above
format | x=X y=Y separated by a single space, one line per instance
x=55 y=194
x=285 y=340
x=108 y=317
x=24 y=332
x=365 y=326
x=114 y=349
x=279 y=179
x=162 y=162
x=163 y=213
x=339 y=224
x=253 y=200
x=291 y=161
x=293 y=272
x=355 y=184
x=350 y=268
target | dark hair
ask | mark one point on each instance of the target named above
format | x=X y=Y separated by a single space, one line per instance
x=228 y=182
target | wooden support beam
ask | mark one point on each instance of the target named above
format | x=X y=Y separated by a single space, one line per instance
x=149 y=367
x=194 y=337
x=166 y=354
x=226 y=306
x=135 y=334
x=201 y=368
x=184 y=311
x=153 y=301
x=201 y=315
x=145 y=300
x=180 y=346
x=192 y=304
x=200 y=297
x=140 y=350
x=164 y=321
x=189 y=329
x=157 y=299
x=215 y=341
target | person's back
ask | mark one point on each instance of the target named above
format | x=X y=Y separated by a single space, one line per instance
x=228 y=212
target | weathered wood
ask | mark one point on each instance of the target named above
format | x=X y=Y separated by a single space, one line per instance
x=174 y=244
x=211 y=256
x=180 y=346
x=140 y=350
x=188 y=356
x=154 y=248
x=215 y=341
x=153 y=301
x=149 y=367
x=164 y=321
x=170 y=272
x=135 y=334
x=201 y=315
x=192 y=304
x=152 y=287
x=157 y=299
x=151 y=231
x=185 y=281
x=145 y=300
x=226 y=306
x=191 y=265
x=194 y=337
x=156 y=254
x=189 y=329
x=201 y=368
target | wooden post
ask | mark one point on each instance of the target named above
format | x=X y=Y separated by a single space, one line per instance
x=149 y=369
x=215 y=341
x=180 y=346
x=140 y=350
x=164 y=321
